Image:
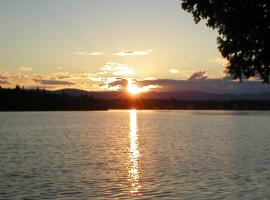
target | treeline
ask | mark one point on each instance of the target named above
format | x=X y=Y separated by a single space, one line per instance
x=19 y=99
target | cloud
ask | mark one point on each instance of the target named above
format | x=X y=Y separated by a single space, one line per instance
x=222 y=61
x=122 y=83
x=96 y=53
x=59 y=67
x=49 y=81
x=4 y=82
x=109 y=79
x=87 y=53
x=182 y=74
x=67 y=75
x=56 y=82
x=10 y=79
x=117 y=69
x=219 y=86
x=22 y=68
x=200 y=75
x=133 y=53
x=61 y=75
x=174 y=71
x=3 y=74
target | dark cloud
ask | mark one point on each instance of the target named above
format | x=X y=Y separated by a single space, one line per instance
x=208 y=85
x=55 y=82
x=219 y=86
x=3 y=81
x=3 y=75
x=119 y=82
x=198 y=75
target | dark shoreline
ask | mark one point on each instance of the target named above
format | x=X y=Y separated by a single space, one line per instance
x=127 y=109
x=40 y=100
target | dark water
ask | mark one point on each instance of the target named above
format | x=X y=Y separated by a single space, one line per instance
x=135 y=154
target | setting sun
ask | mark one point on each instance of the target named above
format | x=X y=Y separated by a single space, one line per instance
x=134 y=89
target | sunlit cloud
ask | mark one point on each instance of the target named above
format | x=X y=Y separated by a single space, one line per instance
x=59 y=67
x=22 y=68
x=61 y=75
x=67 y=75
x=87 y=53
x=198 y=75
x=221 y=61
x=197 y=81
x=117 y=69
x=142 y=89
x=130 y=84
x=49 y=81
x=133 y=53
x=102 y=73
x=149 y=78
x=174 y=71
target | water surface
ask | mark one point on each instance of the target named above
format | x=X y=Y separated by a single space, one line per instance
x=135 y=154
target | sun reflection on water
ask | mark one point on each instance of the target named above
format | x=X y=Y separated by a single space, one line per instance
x=134 y=153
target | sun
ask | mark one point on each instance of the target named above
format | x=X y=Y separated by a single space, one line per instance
x=133 y=89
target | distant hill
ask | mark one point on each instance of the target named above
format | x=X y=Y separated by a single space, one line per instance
x=186 y=95
x=19 y=99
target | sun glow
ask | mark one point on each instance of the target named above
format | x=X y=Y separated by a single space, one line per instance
x=133 y=89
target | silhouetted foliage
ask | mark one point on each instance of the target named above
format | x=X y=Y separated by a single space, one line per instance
x=244 y=29
x=41 y=100
x=18 y=99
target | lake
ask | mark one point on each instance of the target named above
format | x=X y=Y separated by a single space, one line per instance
x=135 y=155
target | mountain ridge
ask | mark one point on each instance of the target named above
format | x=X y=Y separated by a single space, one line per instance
x=179 y=95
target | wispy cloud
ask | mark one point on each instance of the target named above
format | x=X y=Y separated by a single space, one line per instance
x=87 y=53
x=117 y=69
x=22 y=68
x=174 y=71
x=133 y=53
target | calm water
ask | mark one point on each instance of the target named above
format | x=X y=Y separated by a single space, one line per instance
x=135 y=154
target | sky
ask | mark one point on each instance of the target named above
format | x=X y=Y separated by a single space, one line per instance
x=91 y=44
